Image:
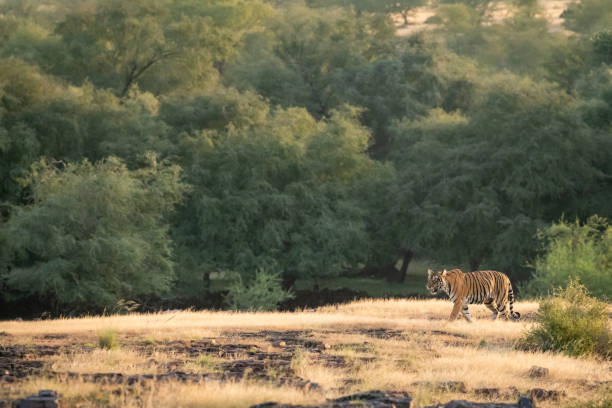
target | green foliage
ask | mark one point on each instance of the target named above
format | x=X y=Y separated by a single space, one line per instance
x=107 y=339
x=315 y=138
x=294 y=61
x=588 y=16
x=602 y=44
x=120 y=44
x=93 y=234
x=475 y=189
x=571 y=322
x=575 y=251
x=264 y=292
x=283 y=195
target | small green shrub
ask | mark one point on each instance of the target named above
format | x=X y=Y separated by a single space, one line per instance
x=264 y=292
x=574 y=251
x=207 y=361
x=572 y=322
x=107 y=339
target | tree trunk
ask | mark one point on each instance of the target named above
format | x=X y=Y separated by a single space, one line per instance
x=404 y=14
x=408 y=254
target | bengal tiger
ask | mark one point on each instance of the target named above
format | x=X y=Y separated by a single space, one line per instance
x=492 y=288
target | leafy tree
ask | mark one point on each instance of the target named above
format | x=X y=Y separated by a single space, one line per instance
x=293 y=63
x=280 y=196
x=481 y=7
x=405 y=86
x=21 y=87
x=121 y=43
x=94 y=234
x=602 y=44
x=474 y=189
x=402 y=7
x=588 y=16
x=217 y=108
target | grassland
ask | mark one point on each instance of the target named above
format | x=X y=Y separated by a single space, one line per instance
x=222 y=359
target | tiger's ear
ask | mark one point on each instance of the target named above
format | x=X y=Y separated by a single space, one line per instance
x=429 y=273
x=445 y=273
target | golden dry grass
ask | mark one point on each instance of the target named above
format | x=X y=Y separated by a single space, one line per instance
x=417 y=344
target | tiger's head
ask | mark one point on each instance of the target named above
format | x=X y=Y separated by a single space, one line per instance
x=436 y=281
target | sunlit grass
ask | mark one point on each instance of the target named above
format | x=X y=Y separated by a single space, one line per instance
x=416 y=344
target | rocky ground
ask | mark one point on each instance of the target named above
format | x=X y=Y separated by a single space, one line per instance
x=411 y=362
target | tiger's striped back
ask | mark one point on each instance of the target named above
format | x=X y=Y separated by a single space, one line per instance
x=491 y=288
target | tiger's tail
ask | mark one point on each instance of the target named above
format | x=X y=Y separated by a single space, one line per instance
x=513 y=314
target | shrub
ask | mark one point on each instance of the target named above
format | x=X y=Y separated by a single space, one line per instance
x=107 y=339
x=574 y=251
x=263 y=293
x=572 y=322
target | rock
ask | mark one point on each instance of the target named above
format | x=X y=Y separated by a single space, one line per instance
x=470 y=404
x=445 y=386
x=538 y=372
x=540 y=394
x=44 y=399
x=487 y=392
x=376 y=399
x=370 y=399
x=282 y=344
x=19 y=319
x=525 y=402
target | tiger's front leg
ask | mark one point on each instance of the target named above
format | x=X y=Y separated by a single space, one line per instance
x=457 y=307
x=466 y=313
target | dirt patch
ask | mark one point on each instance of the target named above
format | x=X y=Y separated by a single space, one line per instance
x=240 y=361
x=384 y=334
x=20 y=361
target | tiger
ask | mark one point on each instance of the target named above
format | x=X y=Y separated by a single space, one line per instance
x=492 y=288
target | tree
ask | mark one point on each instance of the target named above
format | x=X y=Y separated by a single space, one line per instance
x=475 y=188
x=295 y=60
x=281 y=196
x=94 y=233
x=587 y=16
x=403 y=7
x=120 y=43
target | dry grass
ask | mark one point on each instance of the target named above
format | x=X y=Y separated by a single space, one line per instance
x=417 y=344
x=188 y=324
x=206 y=394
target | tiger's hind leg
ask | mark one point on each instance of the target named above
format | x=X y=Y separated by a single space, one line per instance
x=490 y=304
x=503 y=311
x=466 y=313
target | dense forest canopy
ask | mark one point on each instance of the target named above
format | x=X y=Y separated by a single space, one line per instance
x=149 y=147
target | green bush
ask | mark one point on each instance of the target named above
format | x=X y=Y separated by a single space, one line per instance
x=574 y=251
x=572 y=322
x=107 y=339
x=263 y=293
